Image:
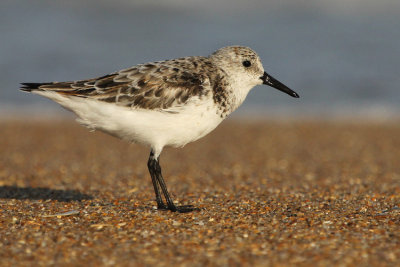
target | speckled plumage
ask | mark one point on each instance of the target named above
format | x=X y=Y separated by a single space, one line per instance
x=205 y=89
x=153 y=86
x=164 y=103
x=157 y=85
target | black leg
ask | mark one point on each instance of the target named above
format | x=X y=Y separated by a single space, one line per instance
x=151 y=166
x=158 y=180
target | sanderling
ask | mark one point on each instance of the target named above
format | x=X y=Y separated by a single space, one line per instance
x=164 y=103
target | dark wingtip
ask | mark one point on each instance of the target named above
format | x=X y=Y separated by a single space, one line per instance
x=28 y=87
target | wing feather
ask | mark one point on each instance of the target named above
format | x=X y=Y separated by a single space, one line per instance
x=158 y=85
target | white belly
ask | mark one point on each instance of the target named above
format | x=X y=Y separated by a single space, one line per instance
x=157 y=129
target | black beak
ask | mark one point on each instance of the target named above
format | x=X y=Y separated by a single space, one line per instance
x=271 y=81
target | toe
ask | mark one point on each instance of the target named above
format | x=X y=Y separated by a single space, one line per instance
x=186 y=208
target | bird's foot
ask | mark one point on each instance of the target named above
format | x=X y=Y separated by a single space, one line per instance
x=180 y=209
x=184 y=208
x=162 y=206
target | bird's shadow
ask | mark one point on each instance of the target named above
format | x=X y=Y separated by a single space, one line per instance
x=41 y=193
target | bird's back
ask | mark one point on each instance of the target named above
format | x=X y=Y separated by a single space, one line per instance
x=156 y=85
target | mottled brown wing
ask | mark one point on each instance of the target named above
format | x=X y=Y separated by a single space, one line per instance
x=158 y=85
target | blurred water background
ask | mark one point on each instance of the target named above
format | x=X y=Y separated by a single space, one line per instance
x=342 y=56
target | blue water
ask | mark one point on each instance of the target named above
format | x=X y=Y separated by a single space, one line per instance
x=340 y=61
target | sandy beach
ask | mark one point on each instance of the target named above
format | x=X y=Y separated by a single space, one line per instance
x=309 y=193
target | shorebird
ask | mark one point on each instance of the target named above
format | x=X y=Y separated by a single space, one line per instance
x=163 y=103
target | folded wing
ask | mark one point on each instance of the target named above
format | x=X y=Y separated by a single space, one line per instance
x=158 y=85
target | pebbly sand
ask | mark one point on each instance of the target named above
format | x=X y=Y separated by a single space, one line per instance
x=277 y=193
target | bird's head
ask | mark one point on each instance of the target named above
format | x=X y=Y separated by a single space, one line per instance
x=245 y=67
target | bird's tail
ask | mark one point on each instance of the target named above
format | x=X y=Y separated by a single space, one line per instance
x=29 y=87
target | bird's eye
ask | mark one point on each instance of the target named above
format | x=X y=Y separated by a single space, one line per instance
x=246 y=63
